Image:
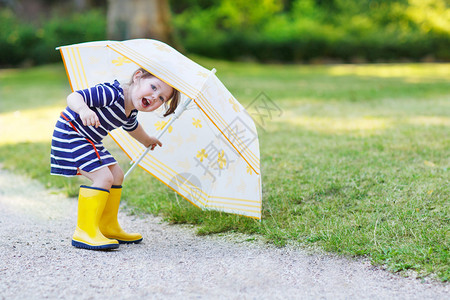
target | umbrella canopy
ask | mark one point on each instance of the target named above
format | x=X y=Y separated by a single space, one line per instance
x=210 y=155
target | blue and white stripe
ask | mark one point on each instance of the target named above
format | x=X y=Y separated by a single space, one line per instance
x=70 y=150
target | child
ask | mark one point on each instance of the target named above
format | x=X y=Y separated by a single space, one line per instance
x=77 y=149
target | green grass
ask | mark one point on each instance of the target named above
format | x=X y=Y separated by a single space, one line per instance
x=357 y=164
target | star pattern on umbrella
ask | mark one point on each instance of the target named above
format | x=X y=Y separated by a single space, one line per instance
x=203 y=74
x=185 y=164
x=221 y=160
x=161 y=124
x=192 y=138
x=93 y=60
x=162 y=47
x=170 y=149
x=249 y=170
x=229 y=181
x=121 y=60
x=241 y=187
x=197 y=123
x=202 y=154
x=178 y=140
x=235 y=105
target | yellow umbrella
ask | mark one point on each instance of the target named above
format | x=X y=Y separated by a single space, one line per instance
x=211 y=153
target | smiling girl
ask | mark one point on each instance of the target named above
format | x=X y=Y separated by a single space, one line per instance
x=77 y=149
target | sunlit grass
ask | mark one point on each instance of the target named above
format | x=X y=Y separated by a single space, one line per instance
x=358 y=126
x=32 y=88
x=28 y=125
x=429 y=121
x=355 y=126
x=357 y=163
x=418 y=73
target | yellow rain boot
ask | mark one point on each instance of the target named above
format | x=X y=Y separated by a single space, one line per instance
x=109 y=225
x=91 y=202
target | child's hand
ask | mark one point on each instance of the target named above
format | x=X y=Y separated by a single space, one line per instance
x=153 y=142
x=89 y=117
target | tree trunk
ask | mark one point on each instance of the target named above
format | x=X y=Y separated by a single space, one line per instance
x=139 y=19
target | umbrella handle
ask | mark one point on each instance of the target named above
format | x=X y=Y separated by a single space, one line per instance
x=177 y=113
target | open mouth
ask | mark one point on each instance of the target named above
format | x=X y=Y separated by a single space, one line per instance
x=145 y=102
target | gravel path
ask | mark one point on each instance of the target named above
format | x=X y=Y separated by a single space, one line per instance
x=37 y=261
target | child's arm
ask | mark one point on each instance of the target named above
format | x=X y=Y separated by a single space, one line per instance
x=141 y=136
x=76 y=103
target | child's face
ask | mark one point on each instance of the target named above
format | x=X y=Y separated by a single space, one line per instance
x=150 y=93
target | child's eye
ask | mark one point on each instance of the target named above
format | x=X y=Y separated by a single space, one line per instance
x=153 y=87
x=161 y=98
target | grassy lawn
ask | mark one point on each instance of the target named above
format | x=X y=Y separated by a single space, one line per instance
x=357 y=163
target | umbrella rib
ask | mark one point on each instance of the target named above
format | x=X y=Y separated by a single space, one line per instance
x=67 y=70
x=234 y=199
x=230 y=208
x=232 y=204
x=73 y=69
x=83 y=72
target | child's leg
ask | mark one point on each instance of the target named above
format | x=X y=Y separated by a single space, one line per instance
x=102 y=178
x=109 y=225
x=117 y=174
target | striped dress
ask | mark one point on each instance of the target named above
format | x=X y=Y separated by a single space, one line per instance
x=82 y=148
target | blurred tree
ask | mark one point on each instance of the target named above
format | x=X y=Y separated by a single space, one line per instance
x=243 y=14
x=139 y=19
x=178 y=6
x=39 y=12
x=81 y=5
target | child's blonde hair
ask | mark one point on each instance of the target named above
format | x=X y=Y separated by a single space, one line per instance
x=174 y=99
